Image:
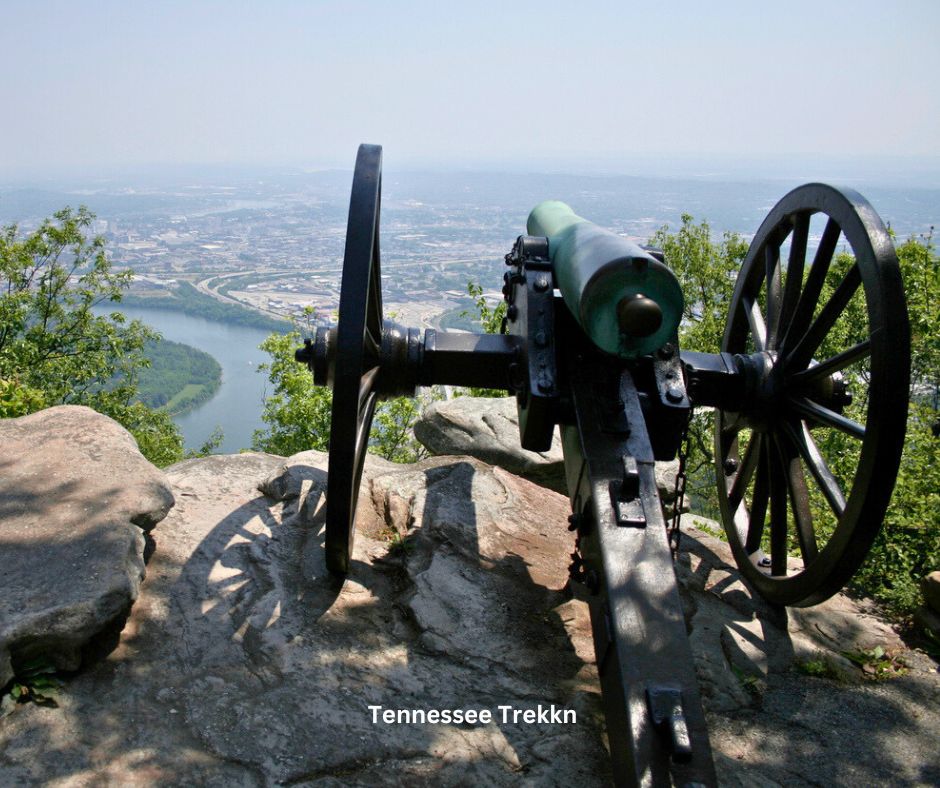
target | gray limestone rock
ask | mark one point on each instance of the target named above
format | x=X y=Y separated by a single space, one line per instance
x=930 y=586
x=76 y=497
x=926 y=618
x=488 y=429
x=243 y=663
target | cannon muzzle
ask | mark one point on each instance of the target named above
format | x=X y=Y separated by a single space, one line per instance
x=627 y=301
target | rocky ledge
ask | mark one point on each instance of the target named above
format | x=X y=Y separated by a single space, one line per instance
x=242 y=663
x=76 y=499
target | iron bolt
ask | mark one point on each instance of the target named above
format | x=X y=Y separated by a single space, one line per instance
x=674 y=394
x=540 y=339
x=730 y=466
x=592 y=581
x=513 y=312
x=541 y=283
x=666 y=351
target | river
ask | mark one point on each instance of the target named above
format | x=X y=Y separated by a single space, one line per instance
x=236 y=407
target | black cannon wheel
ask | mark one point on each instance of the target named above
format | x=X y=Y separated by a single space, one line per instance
x=358 y=340
x=806 y=468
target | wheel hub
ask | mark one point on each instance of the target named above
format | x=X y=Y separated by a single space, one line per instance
x=763 y=388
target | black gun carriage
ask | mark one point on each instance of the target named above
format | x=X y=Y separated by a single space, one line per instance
x=590 y=345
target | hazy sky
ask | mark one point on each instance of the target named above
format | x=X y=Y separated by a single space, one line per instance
x=88 y=83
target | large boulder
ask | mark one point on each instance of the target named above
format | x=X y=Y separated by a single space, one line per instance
x=488 y=429
x=76 y=498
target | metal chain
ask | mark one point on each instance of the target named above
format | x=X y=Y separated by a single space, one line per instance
x=678 y=501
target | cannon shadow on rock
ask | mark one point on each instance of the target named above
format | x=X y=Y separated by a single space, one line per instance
x=281 y=665
x=243 y=664
x=772 y=724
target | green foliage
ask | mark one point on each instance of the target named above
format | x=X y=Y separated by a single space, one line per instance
x=187 y=299
x=819 y=667
x=920 y=268
x=490 y=319
x=178 y=378
x=876 y=663
x=55 y=350
x=17 y=399
x=707 y=271
x=392 y=436
x=399 y=545
x=157 y=436
x=35 y=682
x=909 y=544
x=209 y=445
x=297 y=413
x=754 y=684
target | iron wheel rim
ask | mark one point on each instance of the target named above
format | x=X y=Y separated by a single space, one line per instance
x=358 y=339
x=780 y=470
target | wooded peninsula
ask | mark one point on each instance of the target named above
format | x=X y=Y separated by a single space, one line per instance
x=179 y=377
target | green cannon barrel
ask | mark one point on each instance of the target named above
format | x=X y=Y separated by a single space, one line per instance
x=627 y=302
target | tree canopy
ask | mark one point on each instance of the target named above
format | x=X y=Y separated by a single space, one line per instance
x=55 y=349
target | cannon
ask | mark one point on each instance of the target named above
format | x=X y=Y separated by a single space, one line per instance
x=815 y=343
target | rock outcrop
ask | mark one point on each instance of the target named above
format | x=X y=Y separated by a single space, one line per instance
x=927 y=616
x=243 y=663
x=931 y=588
x=76 y=498
x=488 y=429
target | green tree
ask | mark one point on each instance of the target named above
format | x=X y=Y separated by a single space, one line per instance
x=490 y=319
x=707 y=271
x=296 y=412
x=54 y=349
x=908 y=546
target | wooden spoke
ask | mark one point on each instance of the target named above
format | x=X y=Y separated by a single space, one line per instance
x=745 y=471
x=833 y=364
x=806 y=305
x=814 y=412
x=758 y=513
x=756 y=321
x=778 y=513
x=367 y=384
x=774 y=296
x=799 y=501
x=822 y=325
x=795 y=264
x=373 y=344
x=803 y=442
